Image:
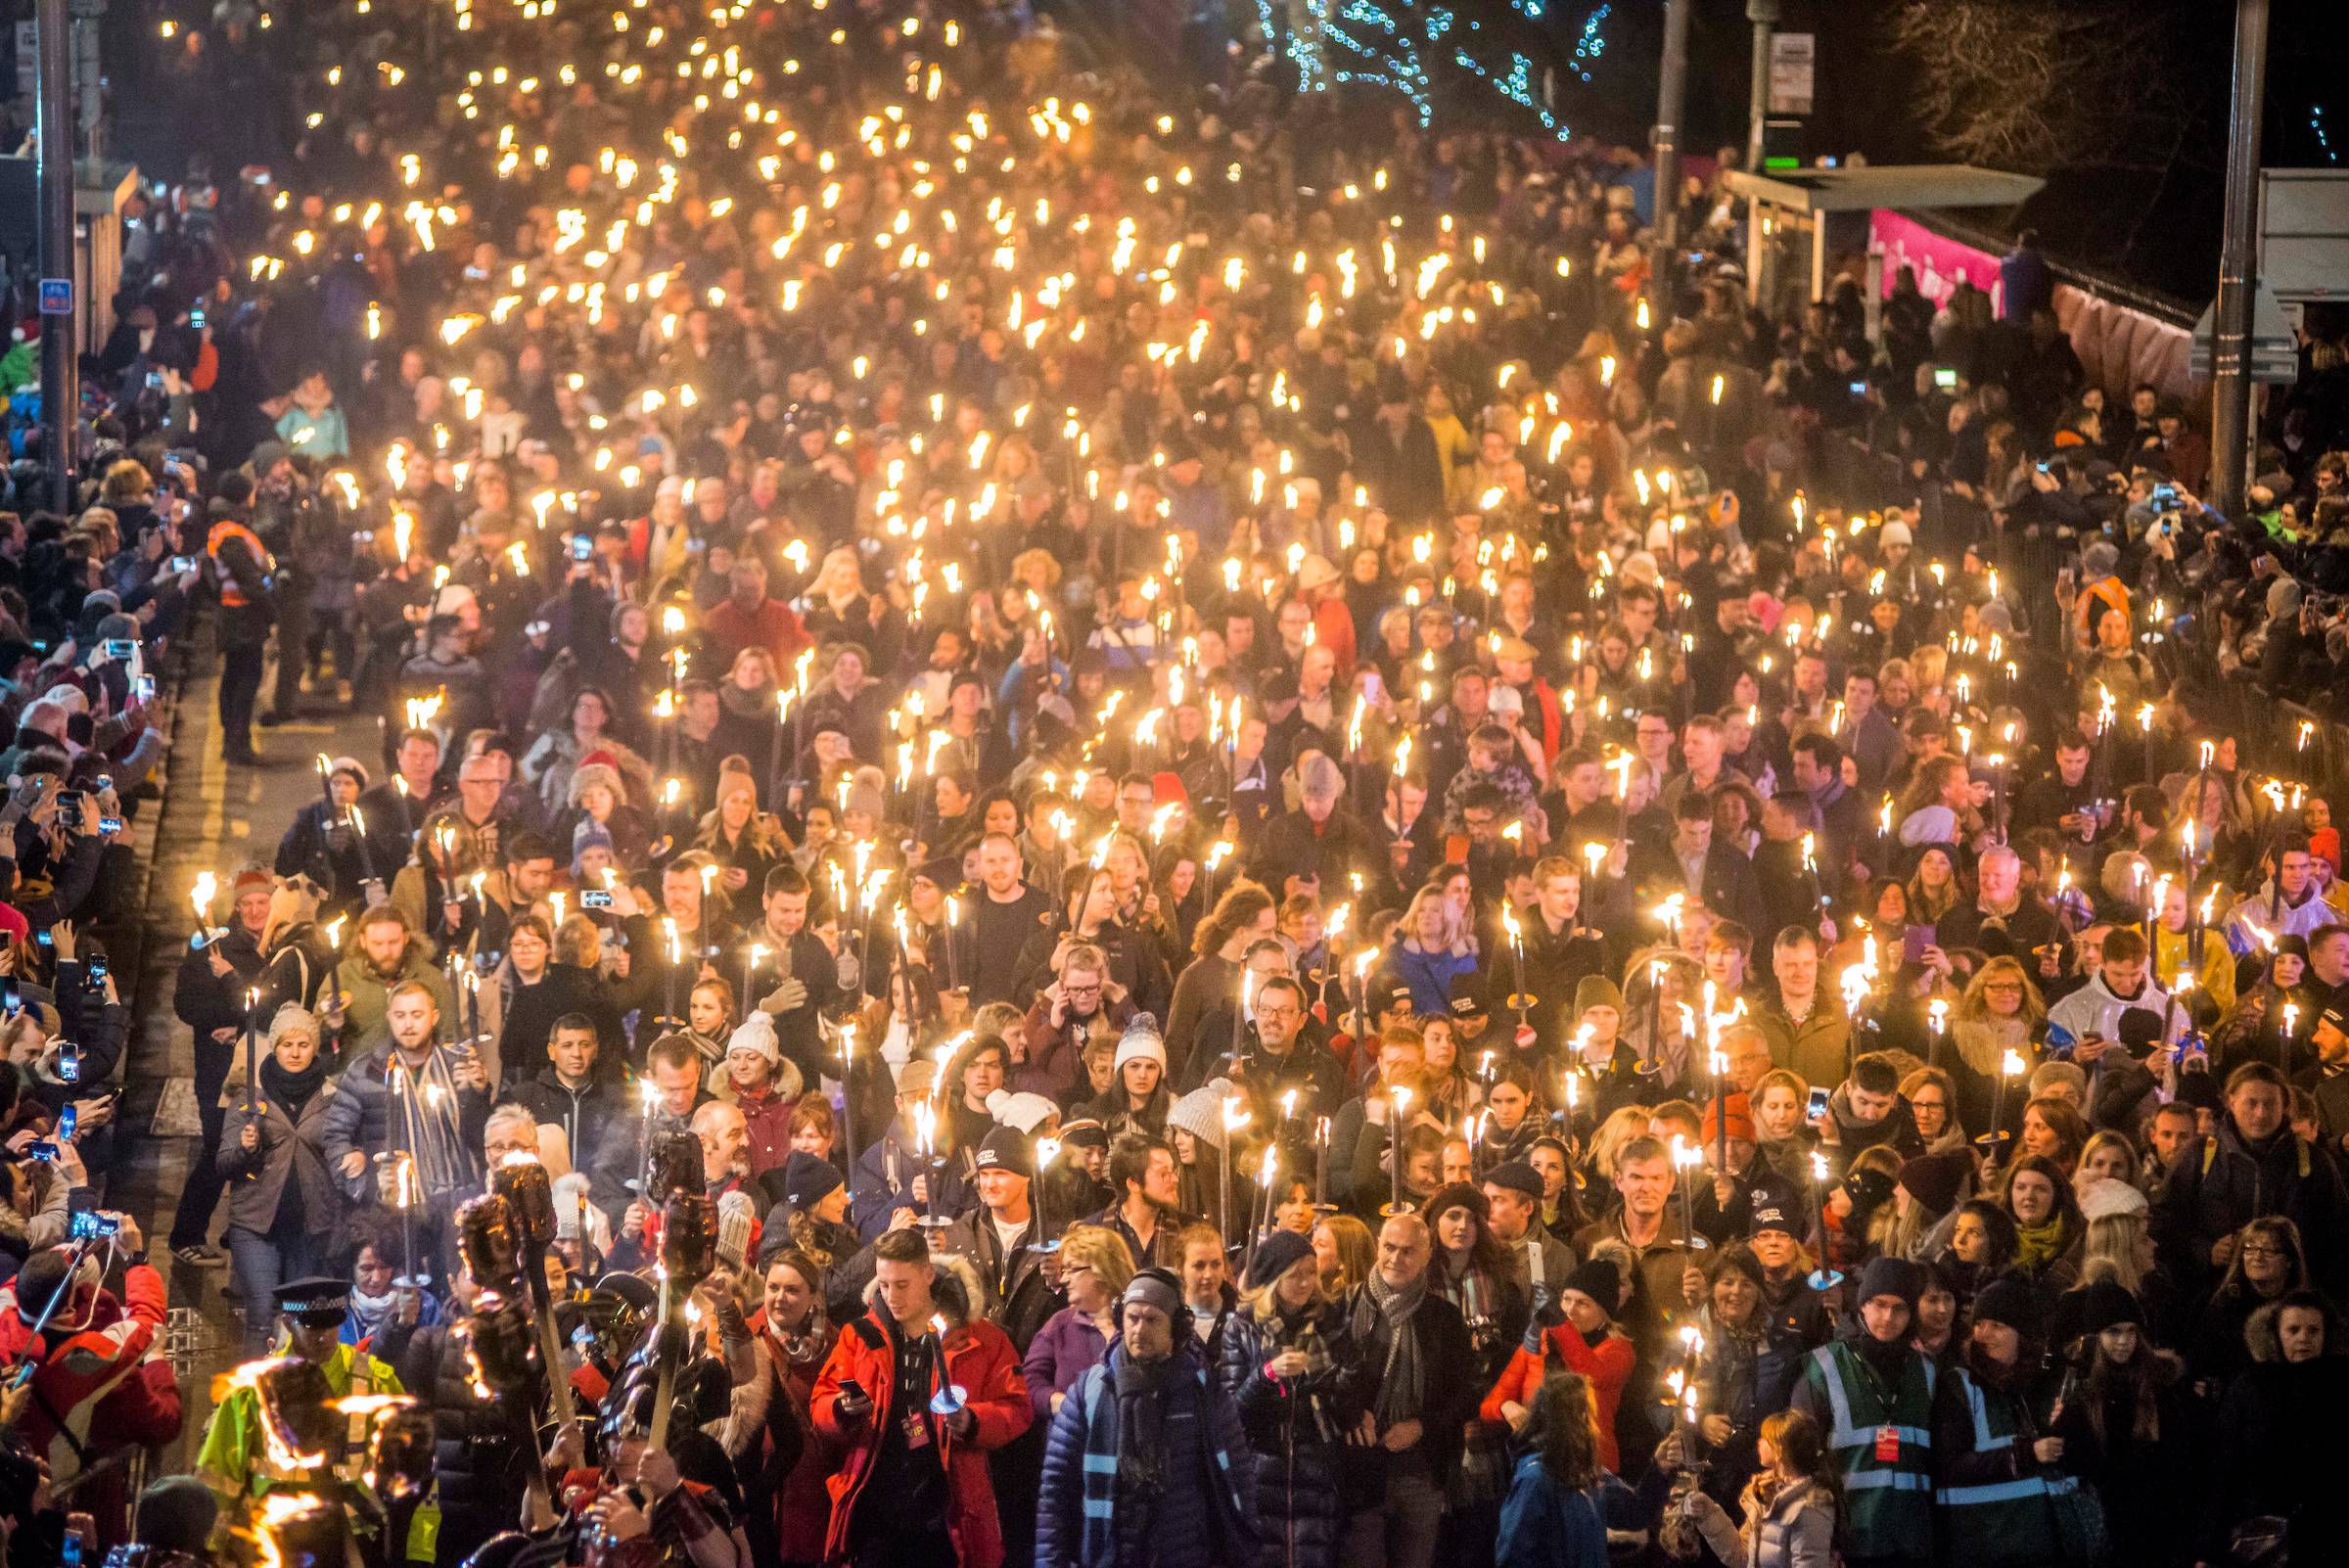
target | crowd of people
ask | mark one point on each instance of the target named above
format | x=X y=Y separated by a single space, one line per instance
x=1129 y=821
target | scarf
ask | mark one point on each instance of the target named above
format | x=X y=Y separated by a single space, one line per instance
x=291 y=1089
x=2039 y=1244
x=1981 y=1042
x=1398 y=1385
x=368 y=1311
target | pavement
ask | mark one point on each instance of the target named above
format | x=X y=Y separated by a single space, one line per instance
x=212 y=818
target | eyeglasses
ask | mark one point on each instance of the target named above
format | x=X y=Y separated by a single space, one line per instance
x=2256 y=1250
x=1081 y=991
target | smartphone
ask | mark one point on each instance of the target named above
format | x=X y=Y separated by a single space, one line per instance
x=596 y=899
x=44 y=939
x=143 y=688
x=1375 y=687
x=69 y=1120
x=582 y=548
x=72 y=1542
x=1915 y=940
x=1819 y=1103
x=182 y=563
x=1945 y=377
x=68 y=1063
x=95 y=969
x=154 y=381
x=90 y=1223
x=196 y=318
x=120 y=647
x=40 y=1149
x=1859 y=389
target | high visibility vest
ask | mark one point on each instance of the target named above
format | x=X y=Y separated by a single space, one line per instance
x=1890 y=1499
x=1998 y=1522
x=232 y=594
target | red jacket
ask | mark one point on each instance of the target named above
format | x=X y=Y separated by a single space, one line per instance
x=802 y=1507
x=106 y=1379
x=980 y=1361
x=1608 y=1366
x=767 y=1117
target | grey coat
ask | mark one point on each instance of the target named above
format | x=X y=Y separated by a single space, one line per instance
x=290 y=1150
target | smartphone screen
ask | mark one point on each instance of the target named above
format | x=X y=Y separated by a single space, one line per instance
x=1819 y=1102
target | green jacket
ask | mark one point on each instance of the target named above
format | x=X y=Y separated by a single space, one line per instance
x=1882 y=1438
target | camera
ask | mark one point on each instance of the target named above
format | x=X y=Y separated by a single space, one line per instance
x=90 y=1223
x=596 y=899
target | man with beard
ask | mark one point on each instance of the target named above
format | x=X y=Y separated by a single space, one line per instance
x=804 y=975
x=388 y=956
x=1871 y=1392
x=210 y=998
x=1147 y=1465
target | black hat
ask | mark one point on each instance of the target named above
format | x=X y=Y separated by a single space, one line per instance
x=1004 y=1149
x=1891 y=1276
x=944 y=873
x=1867 y=1188
x=320 y=1301
x=808 y=1180
x=1085 y=1132
x=2334 y=1018
x=1516 y=1176
x=1387 y=989
x=2017 y=1303
x=1468 y=995
x=1770 y=1217
x=2138 y=1031
x=1276 y=1256
x=2200 y=1091
x=2095 y=1307
x=1597 y=1279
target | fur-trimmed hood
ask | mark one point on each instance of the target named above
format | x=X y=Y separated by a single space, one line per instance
x=955 y=1289
x=2260 y=1337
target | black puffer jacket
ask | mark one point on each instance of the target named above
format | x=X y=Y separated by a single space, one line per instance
x=2217 y=1188
x=1293 y=1433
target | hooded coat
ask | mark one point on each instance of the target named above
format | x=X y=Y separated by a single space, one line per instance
x=2276 y=1449
x=2229 y=1181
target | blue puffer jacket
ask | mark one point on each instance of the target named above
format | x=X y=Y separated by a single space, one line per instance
x=1292 y=1430
x=1203 y=1519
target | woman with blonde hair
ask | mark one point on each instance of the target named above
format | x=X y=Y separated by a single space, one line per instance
x=745 y=841
x=2107 y=1156
x=1430 y=948
x=1625 y=1126
x=1932 y=1099
x=1275 y=1359
x=1781 y=1103
x=1343 y=1253
x=2000 y=1011
x=1095 y=1267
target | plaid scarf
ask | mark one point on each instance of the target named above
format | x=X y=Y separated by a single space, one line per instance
x=1381 y=1306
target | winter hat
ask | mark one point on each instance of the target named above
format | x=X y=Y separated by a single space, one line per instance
x=1155 y=1287
x=1934 y=1181
x=1468 y=995
x=1140 y=1042
x=1892 y=533
x=866 y=798
x=756 y=1033
x=2095 y=1307
x=1276 y=1256
x=1891 y=1276
x=1084 y=1133
x=1597 y=991
x=587 y=775
x=1597 y=1279
x=1458 y=1195
x=1770 y=1217
x=2200 y=1091
x=808 y=1180
x=1740 y=1119
x=1200 y=1113
x=2017 y=1303
x=176 y=1516
x=352 y=766
x=588 y=834
x=252 y=876
x=1021 y=1111
x=2109 y=1195
x=1516 y=1176
x=1004 y=1149
x=1868 y=1187
x=2100 y=559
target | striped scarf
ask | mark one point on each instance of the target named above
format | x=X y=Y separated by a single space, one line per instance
x=1400 y=1392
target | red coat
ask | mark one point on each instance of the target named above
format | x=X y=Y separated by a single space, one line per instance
x=802 y=1506
x=1608 y=1366
x=107 y=1379
x=767 y=1118
x=980 y=1361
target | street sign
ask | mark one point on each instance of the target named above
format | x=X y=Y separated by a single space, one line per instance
x=1791 y=55
x=57 y=297
x=2274 y=351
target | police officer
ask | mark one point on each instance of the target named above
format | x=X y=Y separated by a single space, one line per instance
x=236 y=1459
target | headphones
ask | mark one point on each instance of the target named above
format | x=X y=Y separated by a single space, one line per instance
x=1184 y=1320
